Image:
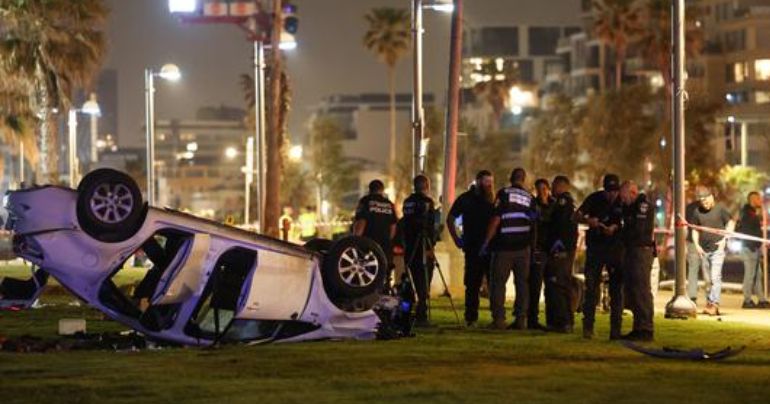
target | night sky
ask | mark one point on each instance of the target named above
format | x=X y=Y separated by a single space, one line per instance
x=330 y=58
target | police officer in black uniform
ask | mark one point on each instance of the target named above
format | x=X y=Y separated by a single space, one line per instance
x=603 y=214
x=639 y=251
x=543 y=206
x=561 y=243
x=511 y=232
x=475 y=207
x=376 y=219
x=419 y=238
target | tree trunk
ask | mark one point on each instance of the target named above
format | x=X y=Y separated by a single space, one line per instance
x=453 y=107
x=618 y=72
x=392 y=149
x=274 y=133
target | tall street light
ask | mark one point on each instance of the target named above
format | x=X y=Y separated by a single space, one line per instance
x=419 y=143
x=680 y=305
x=168 y=72
x=91 y=108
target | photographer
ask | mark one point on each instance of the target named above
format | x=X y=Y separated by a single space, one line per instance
x=419 y=239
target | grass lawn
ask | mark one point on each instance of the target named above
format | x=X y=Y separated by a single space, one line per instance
x=443 y=364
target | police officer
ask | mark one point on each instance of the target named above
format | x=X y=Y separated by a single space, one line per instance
x=511 y=233
x=419 y=239
x=376 y=219
x=543 y=206
x=475 y=208
x=561 y=245
x=638 y=253
x=603 y=214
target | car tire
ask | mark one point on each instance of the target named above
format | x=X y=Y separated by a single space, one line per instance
x=110 y=206
x=353 y=268
x=319 y=245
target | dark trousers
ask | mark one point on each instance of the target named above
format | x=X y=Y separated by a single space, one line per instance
x=558 y=296
x=476 y=268
x=536 y=270
x=598 y=258
x=503 y=262
x=637 y=264
x=421 y=268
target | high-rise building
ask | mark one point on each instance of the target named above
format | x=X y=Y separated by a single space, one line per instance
x=735 y=67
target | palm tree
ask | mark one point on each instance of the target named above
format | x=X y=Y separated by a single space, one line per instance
x=56 y=46
x=617 y=23
x=388 y=37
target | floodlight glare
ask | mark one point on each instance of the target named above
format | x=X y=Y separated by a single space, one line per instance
x=182 y=6
x=170 y=72
x=91 y=107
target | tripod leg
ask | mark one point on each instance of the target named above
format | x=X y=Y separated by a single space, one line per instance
x=446 y=291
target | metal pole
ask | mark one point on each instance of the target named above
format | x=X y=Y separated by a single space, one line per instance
x=744 y=145
x=21 y=163
x=94 y=138
x=764 y=245
x=249 y=171
x=259 y=123
x=453 y=107
x=680 y=305
x=72 y=123
x=418 y=119
x=149 y=102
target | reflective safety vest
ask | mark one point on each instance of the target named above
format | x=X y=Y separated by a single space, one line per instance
x=307 y=224
x=515 y=208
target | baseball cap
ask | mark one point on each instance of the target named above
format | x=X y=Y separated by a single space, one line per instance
x=611 y=182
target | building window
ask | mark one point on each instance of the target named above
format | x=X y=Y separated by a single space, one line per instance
x=737 y=97
x=495 y=41
x=735 y=40
x=543 y=40
x=737 y=72
x=762 y=69
x=762 y=97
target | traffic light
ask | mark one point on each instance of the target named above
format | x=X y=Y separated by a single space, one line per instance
x=290 y=20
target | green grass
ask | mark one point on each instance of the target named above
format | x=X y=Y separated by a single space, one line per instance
x=444 y=364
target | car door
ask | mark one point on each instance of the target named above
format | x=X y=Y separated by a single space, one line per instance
x=278 y=288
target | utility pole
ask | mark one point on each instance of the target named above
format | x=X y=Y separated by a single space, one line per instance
x=680 y=305
x=418 y=114
x=453 y=107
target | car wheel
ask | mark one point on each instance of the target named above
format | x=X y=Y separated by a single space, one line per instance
x=354 y=267
x=319 y=245
x=110 y=206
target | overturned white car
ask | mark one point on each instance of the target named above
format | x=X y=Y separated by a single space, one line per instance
x=206 y=283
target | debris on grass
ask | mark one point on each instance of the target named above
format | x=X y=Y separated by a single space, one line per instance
x=695 y=354
x=115 y=341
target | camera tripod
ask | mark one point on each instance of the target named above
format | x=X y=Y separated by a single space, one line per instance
x=423 y=244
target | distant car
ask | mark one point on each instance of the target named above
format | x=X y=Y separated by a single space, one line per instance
x=206 y=283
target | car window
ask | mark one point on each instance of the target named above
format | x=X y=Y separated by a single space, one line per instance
x=219 y=301
x=142 y=272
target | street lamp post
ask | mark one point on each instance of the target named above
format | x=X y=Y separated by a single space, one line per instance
x=418 y=116
x=91 y=108
x=680 y=305
x=167 y=72
x=419 y=143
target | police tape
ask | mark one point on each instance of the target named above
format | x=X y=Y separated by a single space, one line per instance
x=722 y=232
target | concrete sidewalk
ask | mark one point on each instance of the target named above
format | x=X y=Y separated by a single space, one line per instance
x=730 y=309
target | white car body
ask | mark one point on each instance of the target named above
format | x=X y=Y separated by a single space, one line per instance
x=281 y=298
